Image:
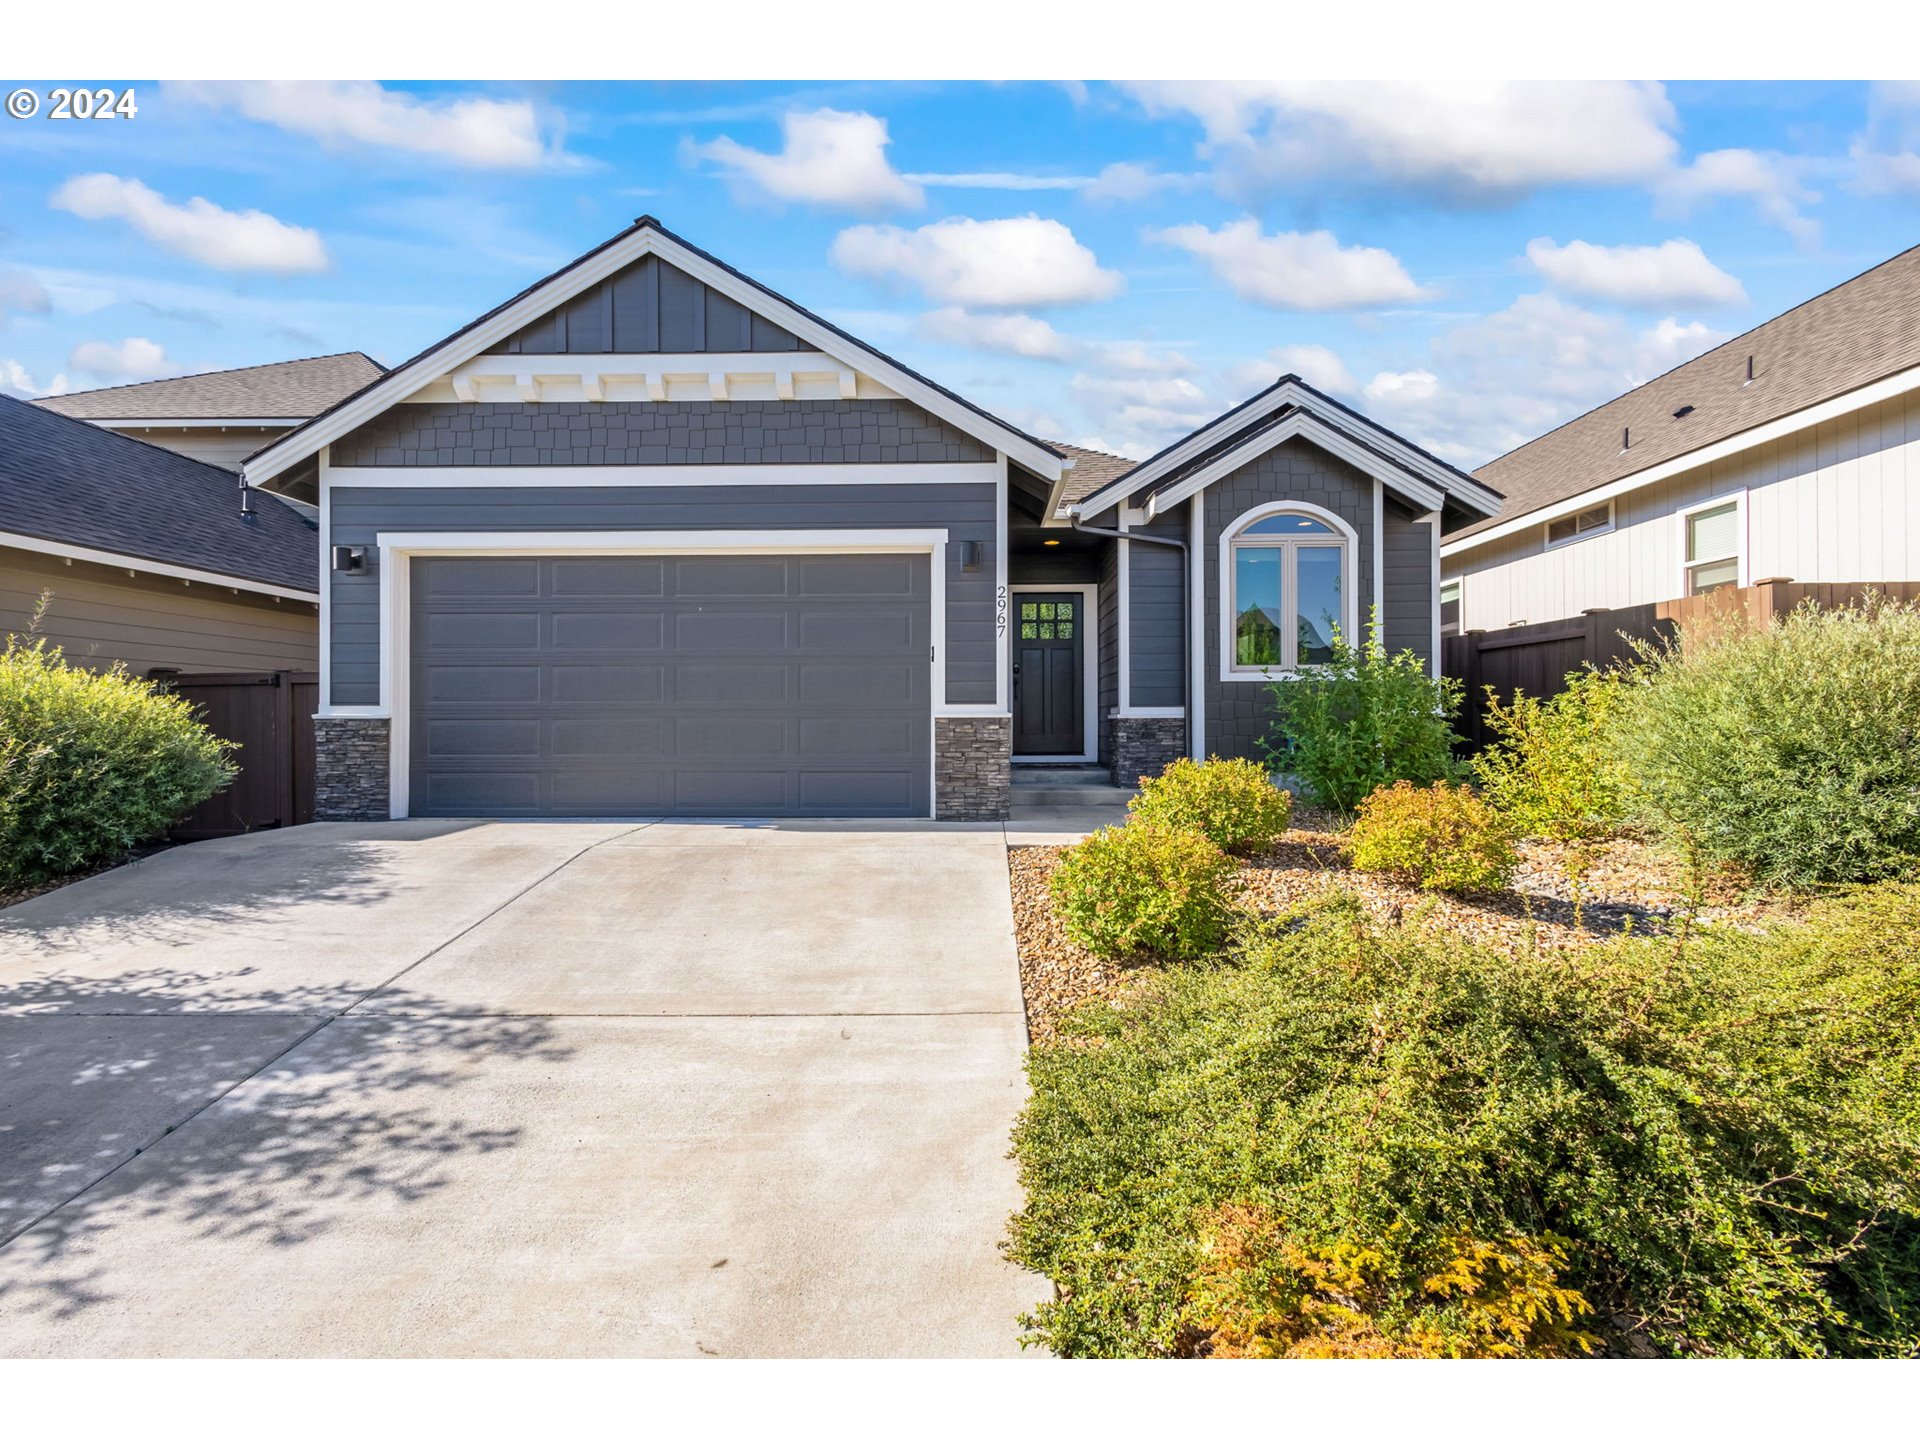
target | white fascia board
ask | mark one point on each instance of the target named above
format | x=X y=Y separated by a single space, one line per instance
x=1900 y=383
x=152 y=567
x=452 y=477
x=477 y=340
x=224 y=423
x=1307 y=427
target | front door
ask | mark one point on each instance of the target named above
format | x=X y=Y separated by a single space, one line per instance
x=1048 y=669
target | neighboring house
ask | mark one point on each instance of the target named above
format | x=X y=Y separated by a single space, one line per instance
x=651 y=539
x=145 y=556
x=224 y=416
x=1789 y=453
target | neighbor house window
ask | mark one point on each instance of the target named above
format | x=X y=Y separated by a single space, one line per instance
x=1712 y=547
x=1288 y=591
x=1594 y=520
x=1450 y=608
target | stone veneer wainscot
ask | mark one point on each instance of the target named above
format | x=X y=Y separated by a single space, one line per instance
x=972 y=767
x=350 y=768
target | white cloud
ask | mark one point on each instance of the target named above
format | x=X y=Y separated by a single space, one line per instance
x=1499 y=380
x=1886 y=155
x=1000 y=264
x=1132 y=357
x=1771 y=181
x=1124 y=182
x=468 y=130
x=1003 y=180
x=199 y=229
x=1128 y=449
x=1676 y=272
x=15 y=381
x=1009 y=334
x=135 y=358
x=835 y=158
x=1296 y=270
x=1469 y=139
x=1315 y=364
x=1141 y=414
x=21 y=294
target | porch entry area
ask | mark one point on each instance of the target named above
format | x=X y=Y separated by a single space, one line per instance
x=1053 y=685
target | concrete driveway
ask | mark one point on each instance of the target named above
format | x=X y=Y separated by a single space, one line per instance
x=446 y=1088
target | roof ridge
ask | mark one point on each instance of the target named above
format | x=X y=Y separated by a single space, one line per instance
x=1731 y=340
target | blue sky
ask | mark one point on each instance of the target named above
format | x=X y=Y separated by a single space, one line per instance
x=1104 y=264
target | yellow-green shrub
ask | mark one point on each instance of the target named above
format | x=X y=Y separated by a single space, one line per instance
x=91 y=762
x=1145 y=889
x=1443 y=837
x=1232 y=802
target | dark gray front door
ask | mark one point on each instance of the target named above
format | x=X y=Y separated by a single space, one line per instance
x=1049 y=640
x=671 y=685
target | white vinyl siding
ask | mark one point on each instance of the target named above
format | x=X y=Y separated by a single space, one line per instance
x=1833 y=503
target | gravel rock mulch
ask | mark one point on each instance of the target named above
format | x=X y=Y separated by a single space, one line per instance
x=1631 y=886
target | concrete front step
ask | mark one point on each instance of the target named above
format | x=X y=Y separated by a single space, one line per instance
x=1056 y=787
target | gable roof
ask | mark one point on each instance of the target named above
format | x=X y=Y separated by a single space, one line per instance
x=646 y=236
x=1288 y=407
x=1092 y=469
x=71 y=484
x=286 y=390
x=1863 y=330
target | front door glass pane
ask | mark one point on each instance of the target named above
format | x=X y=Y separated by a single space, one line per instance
x=1256 y=602
x=1317 y=595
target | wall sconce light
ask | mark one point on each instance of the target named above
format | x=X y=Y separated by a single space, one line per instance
x=350 y=559
x=969 y=554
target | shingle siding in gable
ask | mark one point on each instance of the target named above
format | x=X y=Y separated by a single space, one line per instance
x=648 y=308
x=693 y=432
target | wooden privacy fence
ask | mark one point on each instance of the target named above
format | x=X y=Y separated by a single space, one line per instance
x=269 y=715
x=1538 y=658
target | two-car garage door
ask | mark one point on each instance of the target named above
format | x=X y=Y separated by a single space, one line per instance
x=670 y=685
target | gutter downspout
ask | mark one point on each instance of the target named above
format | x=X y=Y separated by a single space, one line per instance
x=1186 y=589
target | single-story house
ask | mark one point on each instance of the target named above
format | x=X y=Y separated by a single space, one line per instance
x=148 y=557
x=649 y=538
x=1789 y=453
x=225 y=415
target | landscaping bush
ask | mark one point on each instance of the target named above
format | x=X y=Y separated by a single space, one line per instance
x=1443 y=837
x=91 y=763
x=1795 y=751
x=1145 y=889
x=1711 y=1143
x=1234 y=803
x=1554 y=768
x=1363 y=720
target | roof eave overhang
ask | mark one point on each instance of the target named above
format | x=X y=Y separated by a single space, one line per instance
x=394 y=387
x=93 y=556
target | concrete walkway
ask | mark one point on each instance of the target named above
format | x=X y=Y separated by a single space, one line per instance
x=440 y=1088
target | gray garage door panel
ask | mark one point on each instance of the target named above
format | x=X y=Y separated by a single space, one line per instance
x=684 y=685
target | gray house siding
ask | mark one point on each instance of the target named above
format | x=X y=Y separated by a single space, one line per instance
x=1406 y=585
x=1238 y=713
x=966 y=512
x=691 y=432
x=1157 y=615
x=649 y=308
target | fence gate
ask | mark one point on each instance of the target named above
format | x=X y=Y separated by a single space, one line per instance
x=269 y=716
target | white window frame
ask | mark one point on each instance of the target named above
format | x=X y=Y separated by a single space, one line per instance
x=1686 y=567
x=1344 y=537
x=1546 y=528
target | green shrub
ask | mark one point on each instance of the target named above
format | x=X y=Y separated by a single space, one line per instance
x=1795 y=751
x=1554 y=768
x=1363 y=720
x=1714 y=1145
x=1442 y=837
x=91 y=763
x=1145 y=889
x=1234 y=803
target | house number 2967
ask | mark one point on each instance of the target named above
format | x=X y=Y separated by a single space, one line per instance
x=1000 y=611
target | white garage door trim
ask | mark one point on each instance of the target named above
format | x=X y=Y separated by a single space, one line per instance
x=398 y=548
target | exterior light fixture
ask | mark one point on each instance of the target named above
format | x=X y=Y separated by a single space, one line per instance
x=350 y=559
x=969 y=554
x=1049 y=542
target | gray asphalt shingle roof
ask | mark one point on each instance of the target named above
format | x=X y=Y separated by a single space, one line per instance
x=288 y=390
x=1856 y=333
x=66 y=480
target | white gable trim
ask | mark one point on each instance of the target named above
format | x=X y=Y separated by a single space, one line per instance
x=1317 y=432
x=1422 y=467
x=458 y=349
x=1899 y=383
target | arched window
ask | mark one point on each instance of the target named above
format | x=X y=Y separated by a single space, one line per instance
x=1288 y=582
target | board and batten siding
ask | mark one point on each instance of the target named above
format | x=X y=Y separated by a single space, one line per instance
x=1157 y=615
x=99 y=614
x=651 y=307
x=1836 y=502
x=359 y=513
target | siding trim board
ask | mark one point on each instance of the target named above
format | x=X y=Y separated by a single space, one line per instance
x=399 y=548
